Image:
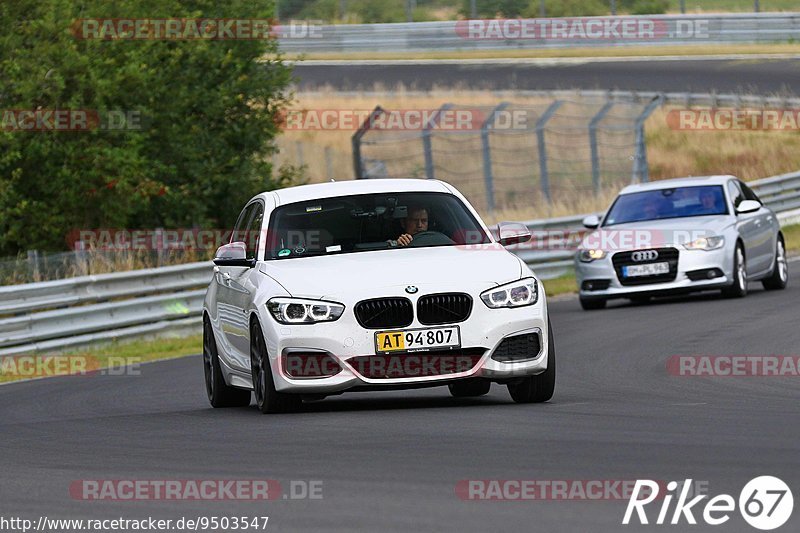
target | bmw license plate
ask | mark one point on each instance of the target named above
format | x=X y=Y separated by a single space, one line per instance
x=650 y=269
x=417 y=340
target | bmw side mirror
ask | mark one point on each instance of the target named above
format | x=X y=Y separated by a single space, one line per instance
x=591 y=221
x=748 y=206
x=233 y=254
x=509 y=233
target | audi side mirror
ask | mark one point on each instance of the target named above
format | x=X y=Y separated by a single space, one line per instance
x=233 y=254
x=748 y=206
x=591 y=222
x=509 y=233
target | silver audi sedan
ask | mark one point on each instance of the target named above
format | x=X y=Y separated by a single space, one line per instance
x=679 y=236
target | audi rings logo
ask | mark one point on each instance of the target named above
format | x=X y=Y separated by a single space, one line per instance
x=646 y=255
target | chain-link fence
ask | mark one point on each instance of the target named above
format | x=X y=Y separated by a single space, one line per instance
x=510 y=155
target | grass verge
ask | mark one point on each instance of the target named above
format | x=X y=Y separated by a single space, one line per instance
x=111 y=357
x=555 y=53
x=565 y=284
x=791 y=236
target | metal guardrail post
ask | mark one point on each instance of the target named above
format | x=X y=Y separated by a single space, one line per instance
x=358 y=167
x=641 y=172
x=593 y=144
x=487 y=155
x=540 y=141
x=426 y=141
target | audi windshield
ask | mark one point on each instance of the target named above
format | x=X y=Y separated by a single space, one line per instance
x=347 y=224
x=678 y=202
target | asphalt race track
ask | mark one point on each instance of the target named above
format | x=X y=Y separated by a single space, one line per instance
x=746 y=76
x=391 y=461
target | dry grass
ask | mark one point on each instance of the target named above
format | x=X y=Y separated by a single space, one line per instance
x=671 y=153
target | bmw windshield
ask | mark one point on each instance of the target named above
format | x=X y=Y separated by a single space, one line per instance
x=358 y=223
x=678 y=202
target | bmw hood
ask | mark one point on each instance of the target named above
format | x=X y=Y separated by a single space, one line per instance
x=380 y=272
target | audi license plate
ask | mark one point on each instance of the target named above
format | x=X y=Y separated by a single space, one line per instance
x=416 y=340
x=650 y=269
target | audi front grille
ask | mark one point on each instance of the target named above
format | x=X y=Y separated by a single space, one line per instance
x=623 y=259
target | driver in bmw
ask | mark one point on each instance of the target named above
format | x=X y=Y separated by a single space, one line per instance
x=415 y=222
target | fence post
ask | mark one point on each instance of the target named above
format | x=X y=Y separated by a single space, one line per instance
x=540 y=124
x=542 y=9
x=614 y=7
x=358 y=167
x=641 y=172
x=593 y=144
x=683 y=7
x=328 y=163
x=33 y=264
x=426 y=141
x=298 y=146
x=487 y=155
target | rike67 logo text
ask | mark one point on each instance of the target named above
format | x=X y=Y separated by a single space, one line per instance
x=765 y=503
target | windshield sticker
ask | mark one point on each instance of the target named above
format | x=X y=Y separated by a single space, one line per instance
x=336 y=248
x=313 y=208
x=284 y=252
x=299 y=250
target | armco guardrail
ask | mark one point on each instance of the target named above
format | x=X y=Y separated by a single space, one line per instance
x=548 y=33
x=55 y=315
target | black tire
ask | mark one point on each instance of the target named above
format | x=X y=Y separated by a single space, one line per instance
x=780 y=270
x=268 y=399
x=592 y=304
x=539 y=388
x=220 y=394
x=468 y=388
x=737 y=289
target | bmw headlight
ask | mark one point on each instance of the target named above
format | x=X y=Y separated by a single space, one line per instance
x=587 y=256
x=300 y=311
x=706 y=243
x=516 y=294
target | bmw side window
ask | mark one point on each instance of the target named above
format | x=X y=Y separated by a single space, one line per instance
x=748 y=193
x=253 y=236
x=238 y=229
x=736 y=193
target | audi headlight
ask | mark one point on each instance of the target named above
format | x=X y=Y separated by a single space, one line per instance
x=706 y=243
x=516 y=294
x=300 y=311
x=587 y=256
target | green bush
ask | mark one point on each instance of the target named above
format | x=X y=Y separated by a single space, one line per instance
x=645 y=7
x=208 y=119
x=493 y=8
x=568 y=8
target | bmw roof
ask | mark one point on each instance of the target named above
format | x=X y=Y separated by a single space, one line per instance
x=332 y=189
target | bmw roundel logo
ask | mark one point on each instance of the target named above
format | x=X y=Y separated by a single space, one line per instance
x=411 y=289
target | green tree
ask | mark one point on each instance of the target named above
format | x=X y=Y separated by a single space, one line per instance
x=208 y=118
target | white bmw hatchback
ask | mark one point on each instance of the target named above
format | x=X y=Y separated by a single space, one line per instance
x=372 y=285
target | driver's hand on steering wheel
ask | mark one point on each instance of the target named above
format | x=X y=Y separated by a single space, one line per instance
x=404 y=239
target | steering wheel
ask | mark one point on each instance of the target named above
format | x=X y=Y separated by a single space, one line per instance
x=430 y=238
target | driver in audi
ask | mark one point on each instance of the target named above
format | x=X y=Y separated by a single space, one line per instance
x=415 y=222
